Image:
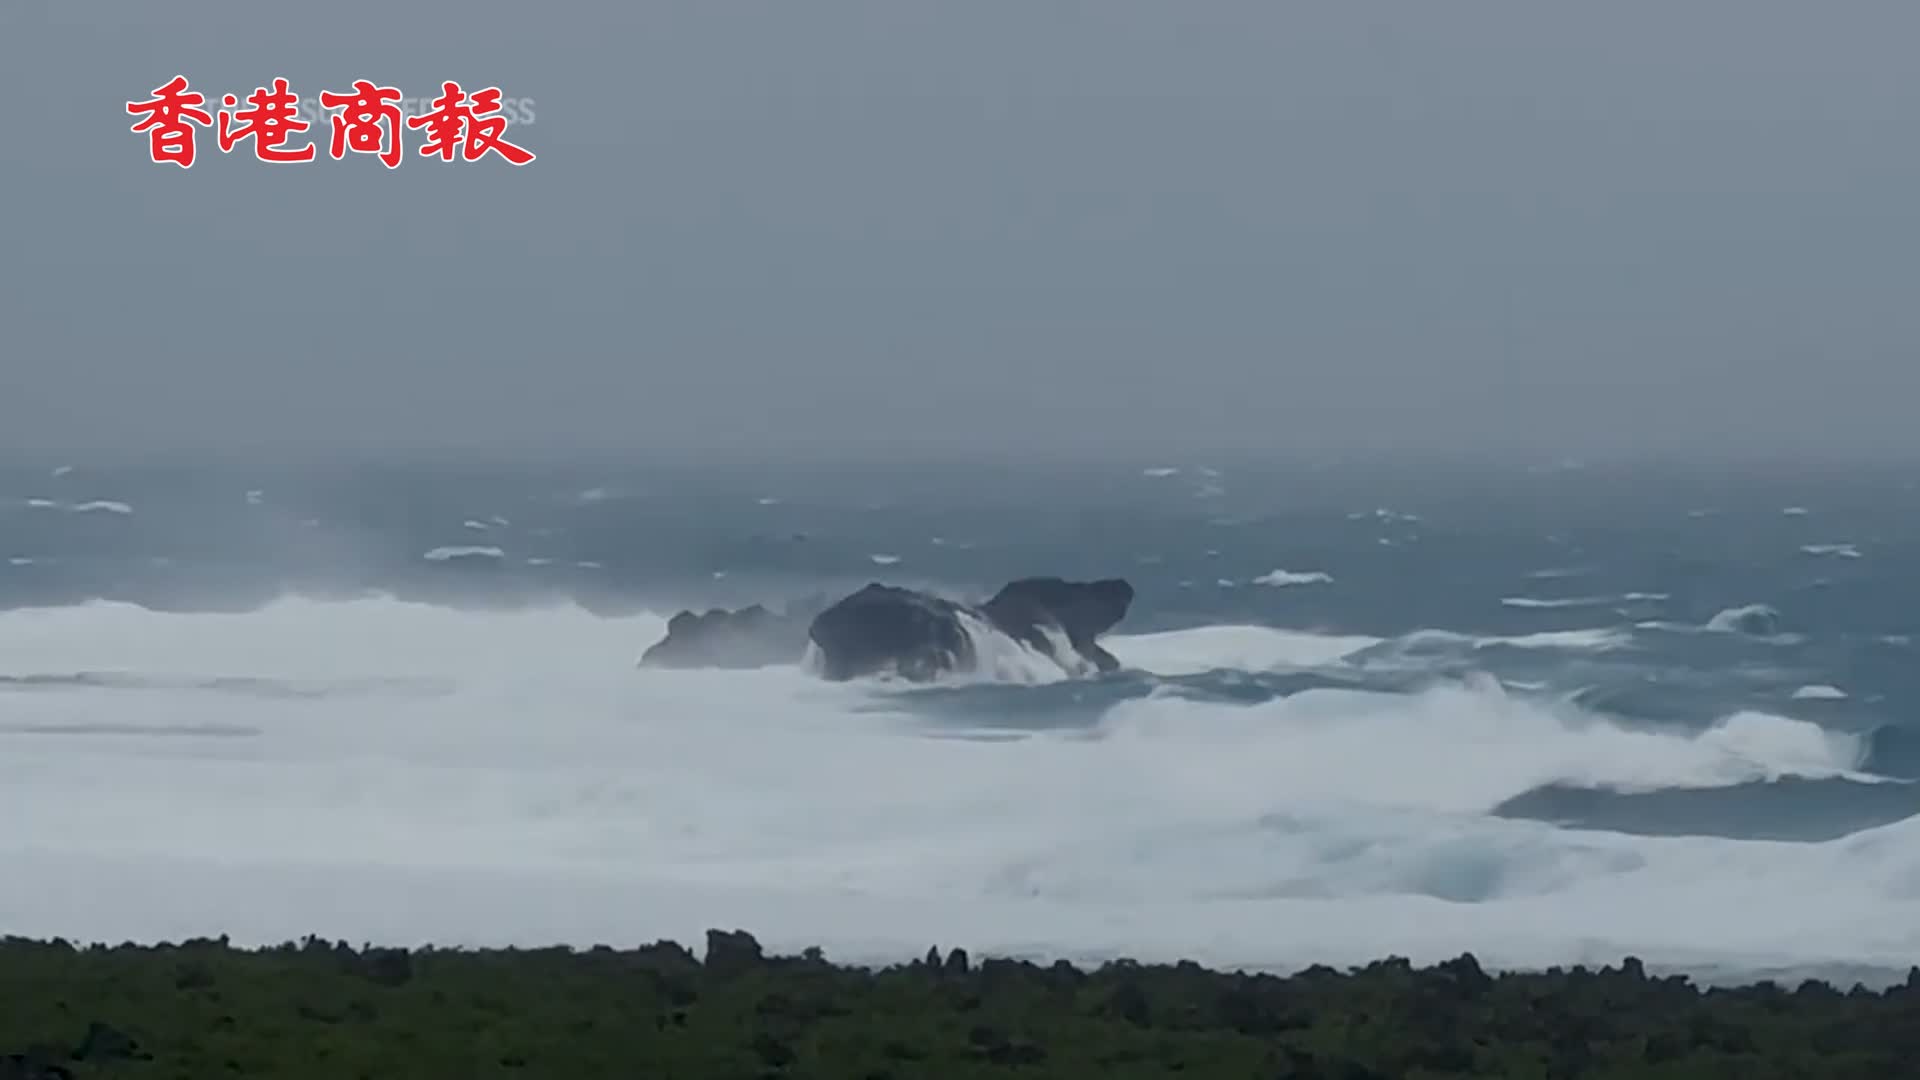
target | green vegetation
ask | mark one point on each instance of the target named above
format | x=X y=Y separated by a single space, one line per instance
x=202 y=1010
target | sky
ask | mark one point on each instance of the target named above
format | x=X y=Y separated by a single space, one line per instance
x=990 y=229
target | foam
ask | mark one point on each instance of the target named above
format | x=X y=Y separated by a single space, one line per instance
x=1281 y=578
x=1564 y=602
x=511 y=778
x=459 y=551
x=1596 y=639
x=1245 y=648
x=1588 y=639
x=1729 y=620
x=1819 y=692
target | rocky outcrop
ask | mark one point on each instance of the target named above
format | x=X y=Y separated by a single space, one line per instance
x=919 y=636
x=912 y=634
x=1026 y=609
x=751 y=637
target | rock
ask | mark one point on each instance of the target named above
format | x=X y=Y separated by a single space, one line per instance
x=919 y=636
x=886 y=628
x=104 y=1042
x=31 y=1066
x=732 y=952
x=751 y=637
x=1083 y=611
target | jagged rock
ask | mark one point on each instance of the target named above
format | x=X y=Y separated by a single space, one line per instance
x=751 y=637
x=1082 y=611
x=919 y=636
x=732 y=952
x=883 y=627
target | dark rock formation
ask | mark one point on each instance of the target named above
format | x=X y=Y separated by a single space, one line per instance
x=1082 y=611
x=748 y=638
x=886 y=628
x=918 y=636
x=732 y=952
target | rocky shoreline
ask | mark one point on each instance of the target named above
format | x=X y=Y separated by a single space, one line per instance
x=319 y=1009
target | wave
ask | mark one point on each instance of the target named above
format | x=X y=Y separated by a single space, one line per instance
x=1283 y=578
x=1312 y=820
x=96 y=506
x=1786 y=808
x=1753 y=620
x=1563 y=602
x=463 y=551
x=1245 y=648
x=993 y=657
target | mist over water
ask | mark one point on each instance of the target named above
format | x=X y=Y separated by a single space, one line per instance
x=255 y=705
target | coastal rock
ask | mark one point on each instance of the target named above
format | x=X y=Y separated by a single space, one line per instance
x=887 y=628
x=919 y=636
x=751 y=637
x=1026 y=609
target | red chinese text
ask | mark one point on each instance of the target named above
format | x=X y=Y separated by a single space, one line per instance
x=452 y=124
x=271 y=118
x=368 y=122
x=169 y=135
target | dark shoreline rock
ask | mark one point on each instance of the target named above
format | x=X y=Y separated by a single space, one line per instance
x=905 y=632
x=752 y=637
x=302 y=1008
x=918 y=636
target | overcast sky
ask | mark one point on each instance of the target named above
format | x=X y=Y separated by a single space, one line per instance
x=969 y=227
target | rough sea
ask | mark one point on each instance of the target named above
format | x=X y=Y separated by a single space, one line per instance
x=1550 y=715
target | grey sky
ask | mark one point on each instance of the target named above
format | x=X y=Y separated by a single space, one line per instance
x=1156 y=228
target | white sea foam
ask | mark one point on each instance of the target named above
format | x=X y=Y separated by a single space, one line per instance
x=512 y=778
x=1553 y=603
x=884 y=560
x=1819 y=692
x=1241 y=648
x=1840 y=551
x=101 y=506
x=1596 y=639
x=1758 y=619
x=442 y=554
x=1561 y=602
x=1282 y=578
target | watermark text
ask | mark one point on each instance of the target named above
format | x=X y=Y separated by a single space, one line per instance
x=363 y=118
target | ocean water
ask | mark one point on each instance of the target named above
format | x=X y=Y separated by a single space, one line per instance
x=1550 y=714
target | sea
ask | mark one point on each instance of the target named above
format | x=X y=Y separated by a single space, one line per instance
x=1550 y=714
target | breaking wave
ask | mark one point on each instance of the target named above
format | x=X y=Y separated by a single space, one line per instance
x=1240 y=794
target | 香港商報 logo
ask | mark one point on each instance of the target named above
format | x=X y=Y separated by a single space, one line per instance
x=364 y=118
